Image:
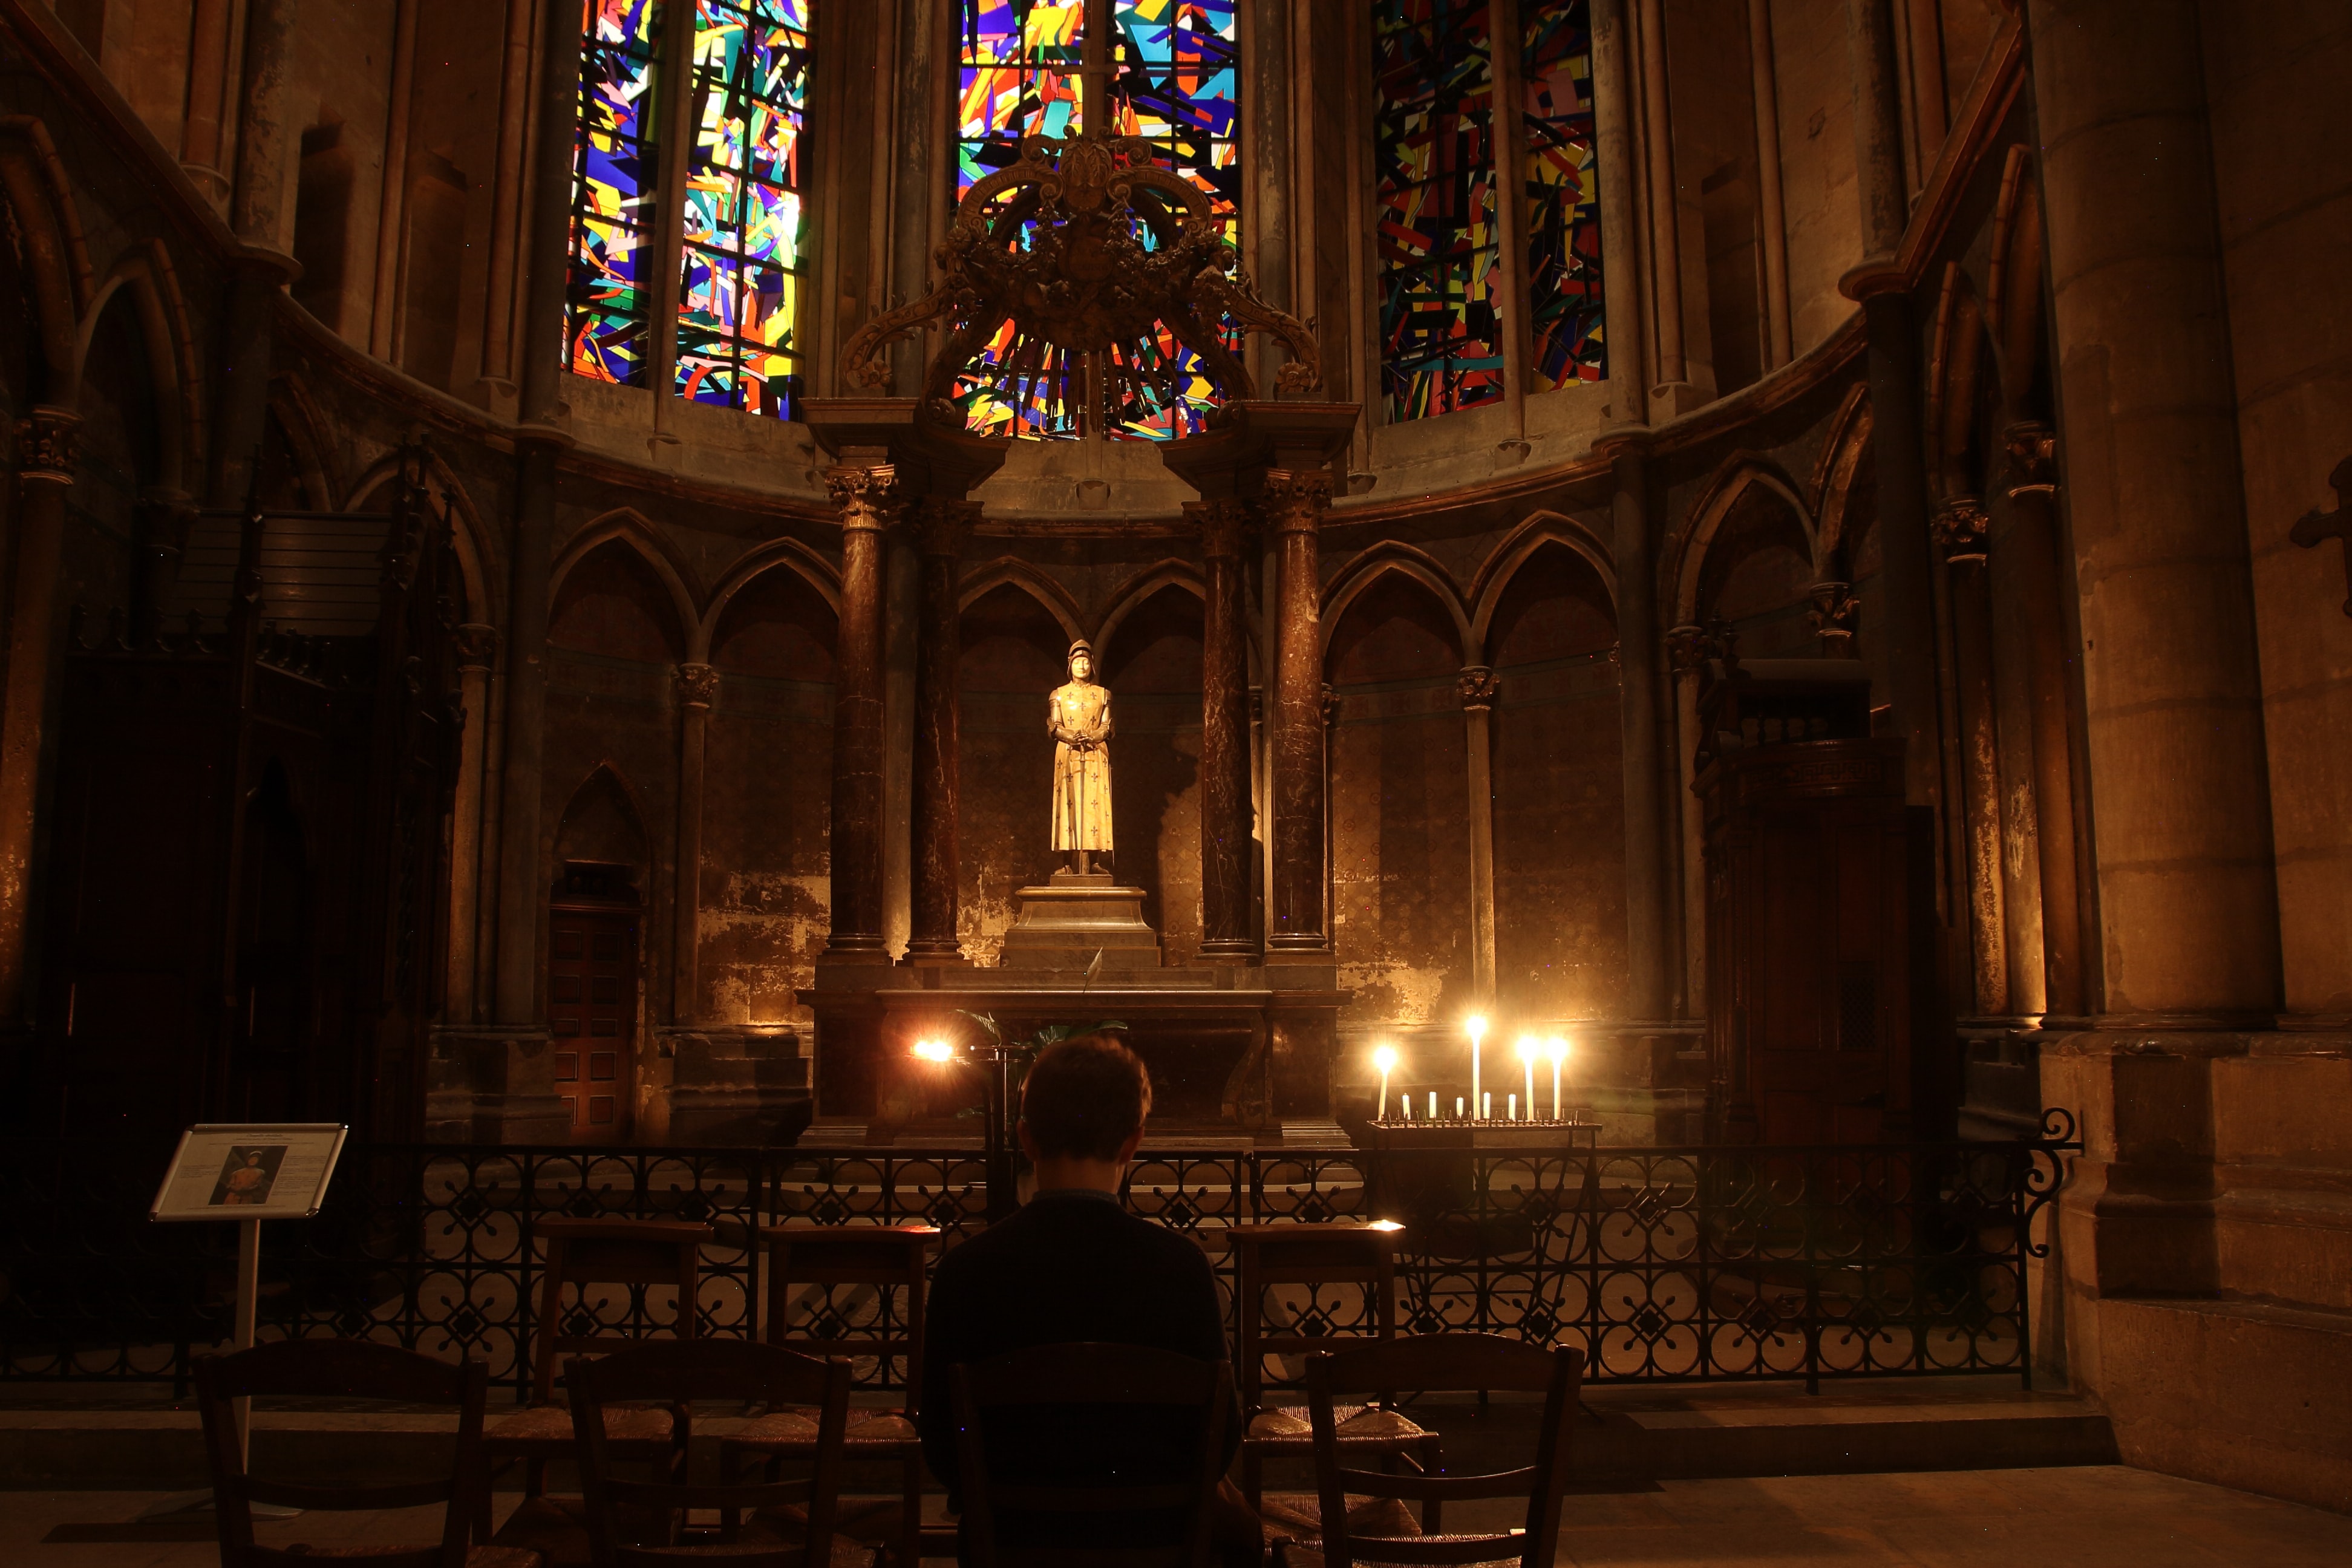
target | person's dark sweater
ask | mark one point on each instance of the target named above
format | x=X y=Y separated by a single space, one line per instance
x=1071 y=1266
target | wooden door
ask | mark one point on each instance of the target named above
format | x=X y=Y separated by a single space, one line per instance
x=592 y=1007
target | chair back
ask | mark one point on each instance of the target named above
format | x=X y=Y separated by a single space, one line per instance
x=1446 y=1362
x=1070 y=1376
x=340 y=1369
x=1313 y=1254
x=677 y=1373
x=585 y=1252
x=884 y=1257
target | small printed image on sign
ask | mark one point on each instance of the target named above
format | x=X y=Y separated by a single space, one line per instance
x=247 y=1174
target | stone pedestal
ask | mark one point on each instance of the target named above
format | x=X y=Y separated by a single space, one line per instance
x=1064 y=924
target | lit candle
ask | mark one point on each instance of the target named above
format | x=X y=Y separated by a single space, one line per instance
x=1527 y=1049
x=1432 y=1105
x=1405 y=1102
x=1477 y=1027
x=1457 y=1108
x=1487 y=1107
x=1559 y=1055
x=1513 y=1115
x=1385 y=1058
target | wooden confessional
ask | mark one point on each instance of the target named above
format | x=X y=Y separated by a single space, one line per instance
x=1810 y=916
x=244 y=869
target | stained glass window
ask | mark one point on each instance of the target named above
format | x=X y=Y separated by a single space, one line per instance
x=607 y=304
x=1173 y=67
x=1440 y=250
x=1562 y=194
x=741 y=286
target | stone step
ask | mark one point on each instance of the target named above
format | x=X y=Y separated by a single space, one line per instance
x=1630 y=1436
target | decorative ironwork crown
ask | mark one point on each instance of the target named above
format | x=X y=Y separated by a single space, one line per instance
x=1089 y=249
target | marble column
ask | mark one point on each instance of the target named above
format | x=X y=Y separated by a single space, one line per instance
x=2025 y=571
x=258 y=209
x=477 y=648
x=696 y=685
x=1478 y=687
x=1225 y=735
x=2179 y=777
x=1294 y=501
x=936 y=869
x=1640 y=649
x=522 y=879
x=1961 y=532
x=864 y=487
x=45 y=464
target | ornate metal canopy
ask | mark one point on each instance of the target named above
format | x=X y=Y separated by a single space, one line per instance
x=1090 y=249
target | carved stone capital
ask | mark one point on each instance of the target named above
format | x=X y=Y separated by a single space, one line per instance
x=945 y=523
x=1688 y=648
x=46 y=441
x=1330 y=705
x=696 y=685
x=1832 y=609
x=1294 y=499
x=867 y=495
x=1961 y=528
x=1477 y=686
x=2032 y=449
x=1223 y=524
x=476 y=646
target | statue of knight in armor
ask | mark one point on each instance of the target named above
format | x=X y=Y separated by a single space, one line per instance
x=1078 y=718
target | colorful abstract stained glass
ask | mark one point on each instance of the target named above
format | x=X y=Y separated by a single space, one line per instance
x=1178 y=62
x=1173 y=67
x=740 y=290
x=1439 y=247
x=1562 y=194
x=607 y=298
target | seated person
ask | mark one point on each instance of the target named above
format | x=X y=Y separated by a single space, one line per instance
x=1073 y=1266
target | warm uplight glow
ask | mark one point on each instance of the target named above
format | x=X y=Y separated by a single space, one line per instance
x=934 y=1050
x=1558 y=1048
x=1383 y=1224
x=1527 y=1048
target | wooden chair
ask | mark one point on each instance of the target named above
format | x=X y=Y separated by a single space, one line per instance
x=347 y=1369
x=1313 y=1254
x=887 y=1258
x=763 y=1523
x=1064 y=1378
x=1446 y=1362
x=583 y=1253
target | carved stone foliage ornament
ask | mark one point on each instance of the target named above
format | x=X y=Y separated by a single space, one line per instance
x=1689 y=647
x=1832 y=609
x=1959 y=527
x=476 y=646
x=1477 y=686
x=2032 y=449
x=1097 y=255
x=45 y=445
x=696 y=684
x=867 y=495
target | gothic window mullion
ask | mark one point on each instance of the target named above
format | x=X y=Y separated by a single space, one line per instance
x=676 y=106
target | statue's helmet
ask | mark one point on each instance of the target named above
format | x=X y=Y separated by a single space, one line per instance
x=1077 y=648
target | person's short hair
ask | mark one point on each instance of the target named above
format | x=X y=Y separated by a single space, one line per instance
x=1083 y=1098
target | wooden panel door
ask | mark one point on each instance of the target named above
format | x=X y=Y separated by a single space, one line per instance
x=592 y=1007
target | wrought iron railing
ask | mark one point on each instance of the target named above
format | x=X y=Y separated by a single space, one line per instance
x=1663 y=1264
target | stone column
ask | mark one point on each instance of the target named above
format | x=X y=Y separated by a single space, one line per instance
x=1666 y=205
x=936 y=868
x=1225 y=735
x=477 y=648
x=2188 y=896
x=1295 y=501
x=256 y=211
x=1624 y=319
x=1639 y=651
x=508 y=183
x=1961 y=532
x=200 y=133
x=2025 y=571
x=45 y=462
x=1771 y=212
x=522 y=879
x=1478 y=688
x=864 y=486
x=696 y=685
x=1687 y=654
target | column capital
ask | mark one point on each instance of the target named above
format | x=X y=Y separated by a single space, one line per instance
x=1959 y=528
x=696 y=685
x=476 y=646
x=1477 y=686
x=46 y=443
x=1295 y=499
x=944 y=524
x=866 y=494
x=1223 y=525
x=1330 y=705
x=1832 y=608
x=1688 y=646
x=2032 y=449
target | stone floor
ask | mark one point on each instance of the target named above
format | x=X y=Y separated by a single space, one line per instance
x=2099 y=1516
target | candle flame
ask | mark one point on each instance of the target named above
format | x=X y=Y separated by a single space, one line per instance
x=1527 y=1048
x=1558 y=1048
x=1385 y=1057
x=934 y=1050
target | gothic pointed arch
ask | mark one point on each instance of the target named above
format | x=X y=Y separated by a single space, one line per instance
x=604 y=821
x=476 y=549
x=55 y=259
x=1544 y=528
x=651 y=546
x=1733 y=479
x=1394 y=556
x=1138 y=588
x=295 y=412
x=1020 y=575
x=772 y=555
x=146 y=276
